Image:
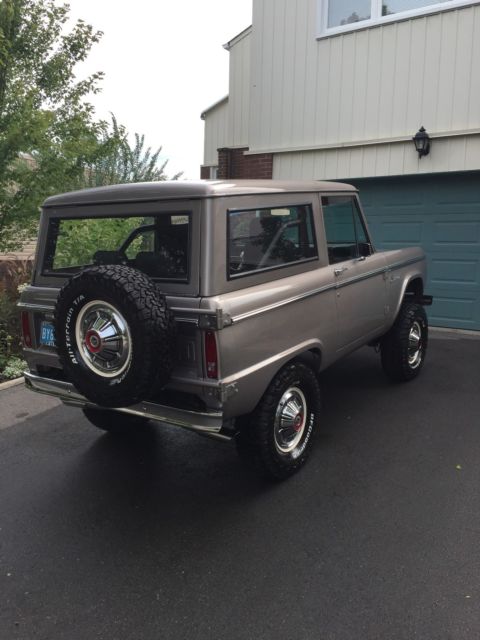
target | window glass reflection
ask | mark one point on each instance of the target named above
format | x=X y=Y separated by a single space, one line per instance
x=342 y=12
x=389 y=7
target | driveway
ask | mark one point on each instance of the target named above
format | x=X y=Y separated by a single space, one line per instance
x=168 y=536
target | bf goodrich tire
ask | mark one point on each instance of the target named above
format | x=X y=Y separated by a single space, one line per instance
x=404 y=347
x=278 y=436
x=114 y=335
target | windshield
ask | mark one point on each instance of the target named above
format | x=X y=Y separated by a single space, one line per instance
x=157 y=245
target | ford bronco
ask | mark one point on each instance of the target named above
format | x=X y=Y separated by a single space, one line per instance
x=214 y=306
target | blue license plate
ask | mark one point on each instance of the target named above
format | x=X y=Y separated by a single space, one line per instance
x=47 y=335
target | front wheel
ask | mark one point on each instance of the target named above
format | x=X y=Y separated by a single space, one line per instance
x=278 y=436
x=404 y=347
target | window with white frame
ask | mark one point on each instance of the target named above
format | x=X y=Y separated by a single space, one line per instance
x=338 y=16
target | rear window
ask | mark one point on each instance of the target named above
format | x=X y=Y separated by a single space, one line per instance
x=157 y=245
x=261 y=239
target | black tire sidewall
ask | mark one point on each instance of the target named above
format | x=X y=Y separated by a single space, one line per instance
x=277 y=464
x=395 y=345
x=131 y=385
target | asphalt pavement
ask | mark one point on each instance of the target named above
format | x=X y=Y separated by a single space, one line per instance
x=168 y=536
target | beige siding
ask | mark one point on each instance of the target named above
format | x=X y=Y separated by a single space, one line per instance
x=378 y=83
x=216 y=133
x=459 y=153
x=239 y=93
x=226 y=124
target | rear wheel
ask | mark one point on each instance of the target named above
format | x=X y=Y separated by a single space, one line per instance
x=114 y=421
x=278 y=436
x=404 y=347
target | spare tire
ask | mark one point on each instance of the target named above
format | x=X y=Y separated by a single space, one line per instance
x=114 y=335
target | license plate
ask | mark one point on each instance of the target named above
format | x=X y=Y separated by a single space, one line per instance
x=47 y=335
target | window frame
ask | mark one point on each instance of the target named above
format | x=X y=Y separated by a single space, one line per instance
x=377 y=19
x=356 y=209
x=52 y=238
x=249 y=274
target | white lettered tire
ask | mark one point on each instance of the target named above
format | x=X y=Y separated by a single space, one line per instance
x=278 y=436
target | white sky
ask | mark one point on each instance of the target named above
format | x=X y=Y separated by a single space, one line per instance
x=164 y=64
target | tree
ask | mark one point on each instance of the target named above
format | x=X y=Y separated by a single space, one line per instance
x=43 y=111
x=117 y=161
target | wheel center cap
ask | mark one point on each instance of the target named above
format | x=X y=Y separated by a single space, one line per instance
x=93 y=341
x=298 y=422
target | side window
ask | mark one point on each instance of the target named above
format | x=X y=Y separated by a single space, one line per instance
x=267 y=238
x=344 y=230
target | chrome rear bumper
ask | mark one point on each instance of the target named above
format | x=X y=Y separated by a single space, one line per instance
x=210 y=424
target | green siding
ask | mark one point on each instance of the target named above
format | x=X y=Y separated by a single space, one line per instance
x=442 y=214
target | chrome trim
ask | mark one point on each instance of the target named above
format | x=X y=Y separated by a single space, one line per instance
x=363 y=276
x=283 y=303
x=210 y=423
x=314 y=292
x=35 y=307
x=193 y=311
x=207 y=318
x=405 y=263
x=103 y=339
x=415 y=345
x=290 y=420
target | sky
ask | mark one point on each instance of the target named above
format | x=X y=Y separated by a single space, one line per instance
x=164 y=64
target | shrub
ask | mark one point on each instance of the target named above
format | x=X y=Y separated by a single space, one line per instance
x=11 y=364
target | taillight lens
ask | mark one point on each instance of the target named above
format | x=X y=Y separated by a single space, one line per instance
x=26 y=334
x=211 y=355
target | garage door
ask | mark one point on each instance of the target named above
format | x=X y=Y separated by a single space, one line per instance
x=442 y=214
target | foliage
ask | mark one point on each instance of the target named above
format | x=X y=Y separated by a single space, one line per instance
x=43 y=112
x=79 y=239
x=118 y=162
x=9 y=330
x=10 y=347
x=50 y=141
x=12 y=368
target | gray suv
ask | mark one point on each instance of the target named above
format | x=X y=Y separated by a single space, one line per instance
x=214 y=306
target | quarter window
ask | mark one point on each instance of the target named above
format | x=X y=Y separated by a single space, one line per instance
x=261 y=239
x=344 y=229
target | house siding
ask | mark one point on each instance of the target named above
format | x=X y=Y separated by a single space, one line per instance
x=459 y=153
x=239 y=93
x=374 y=84
x=216 y=133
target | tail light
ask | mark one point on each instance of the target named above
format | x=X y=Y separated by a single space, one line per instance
x=26 y=333
x=211 y=355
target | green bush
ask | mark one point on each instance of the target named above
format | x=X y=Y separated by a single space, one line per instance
x=11 y=363
x=12 y=368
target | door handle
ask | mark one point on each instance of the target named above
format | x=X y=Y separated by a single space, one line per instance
x=339 y=270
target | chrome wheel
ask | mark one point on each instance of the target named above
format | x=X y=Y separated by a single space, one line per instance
x=415 y=347
x=103 y=339
x=290 y=420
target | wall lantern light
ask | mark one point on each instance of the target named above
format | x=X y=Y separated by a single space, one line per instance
x=422 y=142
